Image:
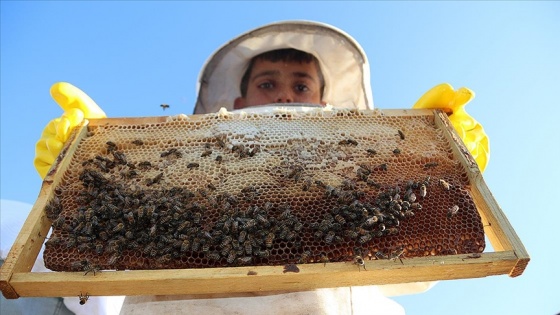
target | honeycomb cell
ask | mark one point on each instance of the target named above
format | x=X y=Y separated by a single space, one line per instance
x=224 y=190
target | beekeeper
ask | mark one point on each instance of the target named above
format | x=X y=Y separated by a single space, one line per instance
x=295 y=63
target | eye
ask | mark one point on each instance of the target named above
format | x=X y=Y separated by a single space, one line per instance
x=301 y=88
x=265 y=85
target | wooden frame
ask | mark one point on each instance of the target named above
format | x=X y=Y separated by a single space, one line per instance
x=17 y=280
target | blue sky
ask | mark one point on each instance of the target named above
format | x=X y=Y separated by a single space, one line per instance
x=132 y=56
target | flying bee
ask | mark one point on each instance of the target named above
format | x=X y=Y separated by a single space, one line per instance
x=452 y=211
x=324 y=259
x=164 y=106
x=206 y=153
x=401 y=134
x=358 y=260
x=83 y=298
x=444 y=184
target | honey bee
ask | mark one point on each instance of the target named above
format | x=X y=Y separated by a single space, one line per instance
x=423 y=191
x=169 y=152
x=365 y=238
x=269 y=239
x=262 y=253
x=244 y=260
x=306 y=185
x=397 y=255
x=431 y=164
x=111 y=146
x=340 y=219
x=348 y=142
x=358 y=260
x=305 y=256
x=213 y=255
x=206 y=153
x=380 y=255
x=452 y=211
x=401 y=134
x=329 y=237
x=144 y=165
x=371 y=221
x=185 y=245
x=397 y=151
x=120 y=157
x=381 y=167
x=473 y=256
x=113 y=259
x=444 y=184
x=219 y=159
x=371 y=151
x=192 y=165
x=324 y=259
x=83 y=298
x=91 y=268
x=231 y=256
x=291 y=268
x=118 y=228
x=138 y=142
x=155 y=180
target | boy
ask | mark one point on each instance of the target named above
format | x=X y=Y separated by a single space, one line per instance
x=288 y=62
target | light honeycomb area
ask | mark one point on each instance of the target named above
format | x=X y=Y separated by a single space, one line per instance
x=227 y=189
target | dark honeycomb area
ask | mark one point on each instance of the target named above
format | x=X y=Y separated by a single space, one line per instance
x=222 y=190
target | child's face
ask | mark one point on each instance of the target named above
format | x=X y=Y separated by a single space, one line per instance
x=281 y=82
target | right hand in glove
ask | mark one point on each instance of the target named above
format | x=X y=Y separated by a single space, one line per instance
x=77 y=106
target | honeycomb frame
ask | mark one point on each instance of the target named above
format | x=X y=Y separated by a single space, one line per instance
x=376 y=157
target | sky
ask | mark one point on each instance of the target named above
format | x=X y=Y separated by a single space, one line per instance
x=130 y=57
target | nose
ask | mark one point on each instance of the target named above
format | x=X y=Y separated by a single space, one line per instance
x=284 y=96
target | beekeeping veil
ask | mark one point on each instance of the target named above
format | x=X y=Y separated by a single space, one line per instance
x=342 y=60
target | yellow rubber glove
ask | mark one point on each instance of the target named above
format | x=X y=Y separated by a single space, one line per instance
x=77 y=106
x=445 y=97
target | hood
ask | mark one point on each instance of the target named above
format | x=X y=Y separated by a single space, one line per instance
x=342 y=60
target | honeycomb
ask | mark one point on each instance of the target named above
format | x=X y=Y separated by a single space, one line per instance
x=286 y=187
